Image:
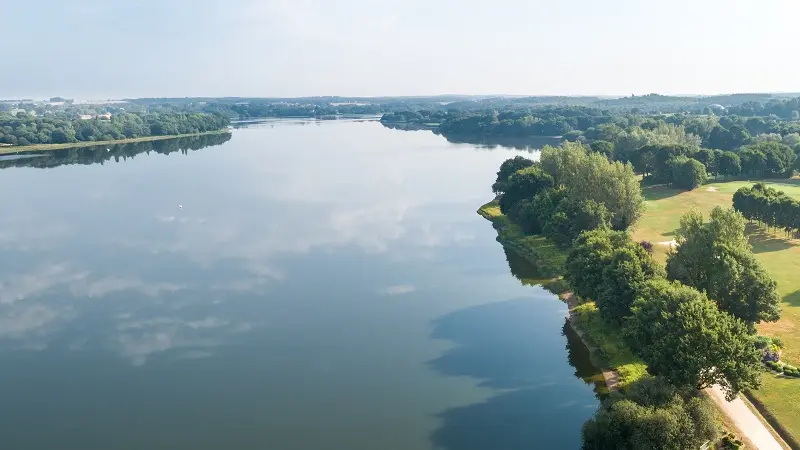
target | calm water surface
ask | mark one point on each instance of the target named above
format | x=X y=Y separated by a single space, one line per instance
x=324 y=286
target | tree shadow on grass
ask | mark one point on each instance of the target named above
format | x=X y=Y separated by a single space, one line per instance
x=658 y=192
x=513 y=346
x=792 y=299
x=765 y=242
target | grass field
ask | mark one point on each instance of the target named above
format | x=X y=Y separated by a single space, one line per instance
x=45 y=147
x=780 y=256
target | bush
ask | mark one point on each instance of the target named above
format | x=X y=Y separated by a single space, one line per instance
x=787 y=367
x=774 y=366
x=647 y=245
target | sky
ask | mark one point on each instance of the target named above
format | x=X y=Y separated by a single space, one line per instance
x=92 y=50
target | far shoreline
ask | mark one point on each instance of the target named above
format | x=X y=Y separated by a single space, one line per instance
x=49 y=147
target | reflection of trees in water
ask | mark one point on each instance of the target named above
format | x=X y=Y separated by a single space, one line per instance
x=580 y=358
x=530 y=143
x=522 y=270
x=118 y=152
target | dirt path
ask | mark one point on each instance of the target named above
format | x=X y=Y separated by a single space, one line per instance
x=611 y=376
x=745 y=420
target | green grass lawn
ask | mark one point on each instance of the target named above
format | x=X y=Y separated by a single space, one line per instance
x=780 y=256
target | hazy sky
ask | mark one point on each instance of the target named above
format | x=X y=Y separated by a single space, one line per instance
x=91 y=49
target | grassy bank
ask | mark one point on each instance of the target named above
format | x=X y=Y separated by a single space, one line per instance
x=779 y=396
x=537 y=250
x=549 y=259
x=46 y=147
x=606 y=339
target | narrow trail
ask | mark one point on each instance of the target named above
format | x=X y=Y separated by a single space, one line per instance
x=745 y=420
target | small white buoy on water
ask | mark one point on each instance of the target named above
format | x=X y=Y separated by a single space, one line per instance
x=180 y=206
x=108 y=149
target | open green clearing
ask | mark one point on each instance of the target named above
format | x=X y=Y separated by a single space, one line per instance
x=781 y=257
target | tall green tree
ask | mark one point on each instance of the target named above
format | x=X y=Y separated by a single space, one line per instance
x=508 y=168
x=715 y=257
x=687 y=339
x=524 y=184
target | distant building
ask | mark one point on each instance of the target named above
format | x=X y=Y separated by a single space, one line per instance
x=85 y=116
x=106 y=116
x=716 y=107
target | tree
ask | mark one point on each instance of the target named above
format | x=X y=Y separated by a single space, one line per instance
x=651 y=415
x=729 y=164
x=716 y=258
x=590 y=176
x=508 y=168
x=605 y=148
x=687 y=173
x=603 y=264
x=685 y=338
x=571 y=217
x=524 y=184
x=708 y=158
x=624 y=277
x=768 y=159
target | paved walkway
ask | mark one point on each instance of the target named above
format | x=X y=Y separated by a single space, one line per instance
x=745 y=420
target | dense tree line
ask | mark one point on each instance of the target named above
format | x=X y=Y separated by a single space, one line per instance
x=712 y=278
x=650 y=415
x=117 y=152
x=24 y=129
x=770 y=207
x=569 y=190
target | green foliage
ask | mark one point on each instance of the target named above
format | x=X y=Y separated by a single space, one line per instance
x=606 y=340
x=590 y=176
x=687 y=173
x=29 y=130
x=685 y=338
x=767 y=159
x=572 y=217
x=729 y=164
x=768 y=206
x=524 y=184
x=716 y=258
x=610 y=268
x=651 y=415
x=508 y=168
x=605 y=148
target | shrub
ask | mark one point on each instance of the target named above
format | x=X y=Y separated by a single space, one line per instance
x=647 y=245
x=774 y=366
x=787 y=367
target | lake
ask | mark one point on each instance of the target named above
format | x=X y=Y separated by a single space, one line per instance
x=297 y=285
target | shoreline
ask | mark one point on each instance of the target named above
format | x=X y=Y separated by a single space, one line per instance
x=50 y=147
x=598 y=356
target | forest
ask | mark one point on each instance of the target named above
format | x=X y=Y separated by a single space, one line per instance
x=26 y=129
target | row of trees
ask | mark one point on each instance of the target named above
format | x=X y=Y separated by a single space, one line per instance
x=26 y=130
x=770 y=207
x=569 y=190
x=116 y=152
